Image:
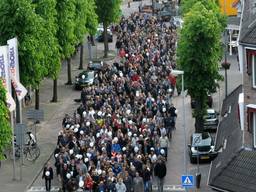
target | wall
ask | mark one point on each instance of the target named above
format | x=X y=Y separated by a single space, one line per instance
x=230 y=11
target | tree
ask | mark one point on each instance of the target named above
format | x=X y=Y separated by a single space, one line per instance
x=5 y=128
x=66 y=31
x=199 y=52
x=46 y=9
x=80 y=27
x=92 y=17
x=18 y=18
x=212 y=5
x=108 y=12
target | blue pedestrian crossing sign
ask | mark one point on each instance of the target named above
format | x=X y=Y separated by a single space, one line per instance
x=187 y=180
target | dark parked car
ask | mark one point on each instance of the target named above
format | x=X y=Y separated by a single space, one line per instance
x=211 y=120
x=201 y=147
x=84 y=79
x=100 y=35
x=97 y=66
x=209 y=102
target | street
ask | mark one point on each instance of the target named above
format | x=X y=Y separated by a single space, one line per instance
x=48 y=130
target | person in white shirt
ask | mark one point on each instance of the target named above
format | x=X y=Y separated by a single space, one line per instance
x=120 y=186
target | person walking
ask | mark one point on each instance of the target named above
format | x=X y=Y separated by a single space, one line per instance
x=160 y=173
x=138 y=184
x=48 y=176
x=120 y=186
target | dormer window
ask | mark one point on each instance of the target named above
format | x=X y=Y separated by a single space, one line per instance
x=251 y=65
x=251 y=116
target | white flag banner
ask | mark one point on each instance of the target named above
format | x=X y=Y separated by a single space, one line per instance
x=20 y=90
x=4 y=76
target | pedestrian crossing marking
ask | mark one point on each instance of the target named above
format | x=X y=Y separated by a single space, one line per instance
x=187 y=180
x=166 y=188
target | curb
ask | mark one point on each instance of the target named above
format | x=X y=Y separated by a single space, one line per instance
x=38 y=173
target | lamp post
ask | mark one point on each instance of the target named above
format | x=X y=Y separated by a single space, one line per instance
x=176 y=73
x=225 y=64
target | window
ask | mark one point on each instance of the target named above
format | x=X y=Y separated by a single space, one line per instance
x=253 y=71
x=251 y=65
x=251 y=110
x=254 y=129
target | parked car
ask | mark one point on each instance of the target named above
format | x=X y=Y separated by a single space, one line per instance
x=211 y=120
x=84 y=79
x=97 y=66
x=100 y=34
x=209 y=102
x=201 y=147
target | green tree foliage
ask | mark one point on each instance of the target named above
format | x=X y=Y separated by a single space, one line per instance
x=212 y=5
x=5 y=128
x=18 y=18
x=66 y=27
x=80 y=21
x=46 y=9
x=92 y=18
x=199 y=54
x=66 y=31
x=108 y=12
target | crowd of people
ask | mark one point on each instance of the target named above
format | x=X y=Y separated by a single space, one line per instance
x=118 y=138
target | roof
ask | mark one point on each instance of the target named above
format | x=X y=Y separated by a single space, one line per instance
x=248 y=28
x=231 y=100
x=239 y=175
x=234 y=169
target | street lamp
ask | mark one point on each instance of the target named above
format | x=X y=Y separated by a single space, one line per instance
x=225 y=64
x=176 y=73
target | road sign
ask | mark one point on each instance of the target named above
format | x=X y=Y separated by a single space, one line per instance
x=20 y=132
x=36 y=115
x=187 y=180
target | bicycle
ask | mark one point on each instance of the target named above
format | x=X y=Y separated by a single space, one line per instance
x=31 y=152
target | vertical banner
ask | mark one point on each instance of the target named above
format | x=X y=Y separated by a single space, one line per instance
x=20 y=90
x=4 y=76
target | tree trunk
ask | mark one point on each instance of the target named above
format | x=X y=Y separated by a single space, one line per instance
x=55 y=91
x=37 y=99
x=199 y=119
x=81 y=56
x=69 y=72
x=105 y=40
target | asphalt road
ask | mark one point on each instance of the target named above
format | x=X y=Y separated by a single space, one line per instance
x=48 y=131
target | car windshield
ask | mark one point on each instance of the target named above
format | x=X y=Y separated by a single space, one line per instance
x=97 y=65
x=211 y=114
x=199 y=139
x=87 y=75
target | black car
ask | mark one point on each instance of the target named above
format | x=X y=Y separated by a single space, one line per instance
x=100 y=35
x=84 y=79
x=97 y=66
x=201 y=147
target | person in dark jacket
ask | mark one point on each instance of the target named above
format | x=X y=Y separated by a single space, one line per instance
x=48 y=176
x=160 y=173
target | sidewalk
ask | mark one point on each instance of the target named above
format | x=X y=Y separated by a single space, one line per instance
x=47 y=130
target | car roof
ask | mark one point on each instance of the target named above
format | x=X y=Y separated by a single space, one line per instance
x=210 y=111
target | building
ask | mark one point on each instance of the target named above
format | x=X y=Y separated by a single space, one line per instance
x=247 y=60
x=234 y=169
x=229 y=7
